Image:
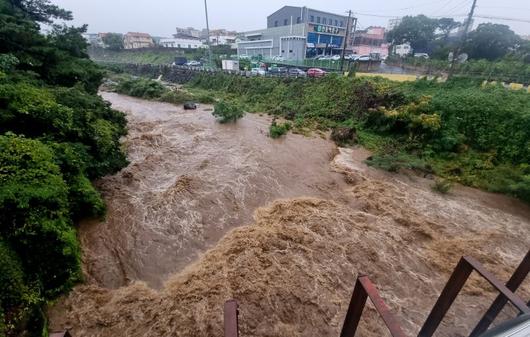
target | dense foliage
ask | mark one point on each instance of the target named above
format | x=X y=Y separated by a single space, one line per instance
x=154 y=90
x=473 y=134
x=56 y=136
x=276 y=130
x=488 y=41
x=228 y=111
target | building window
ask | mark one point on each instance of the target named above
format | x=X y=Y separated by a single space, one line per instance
x=276 y=23
x=318 y=19
x=298 y=19
x=324 y=21
x=341 y=23
x=330 y=22
x=285 y=22
x=189 y=46
x=336 y=22
x=312 y=18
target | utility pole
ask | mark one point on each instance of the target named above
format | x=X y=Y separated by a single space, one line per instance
x=208 y=34
x=456 y=52
x=345 y=43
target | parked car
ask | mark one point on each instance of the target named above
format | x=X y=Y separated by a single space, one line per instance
x=323 y=57
x=351 y=57
x=316 y=72
x=193 y=64
x=278 y=58
x=364 y=58
x=422 y=55
x=296 y=72
x=278 y=70
x=335 y=57
x=258 y=72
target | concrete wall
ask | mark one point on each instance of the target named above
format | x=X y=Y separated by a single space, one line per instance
x=267 y=42
x=283 y=17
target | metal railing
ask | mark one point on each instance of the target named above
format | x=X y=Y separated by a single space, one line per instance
x=463 y=270
x=363 y=289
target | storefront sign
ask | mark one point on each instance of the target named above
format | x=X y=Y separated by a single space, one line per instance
x=327 y=29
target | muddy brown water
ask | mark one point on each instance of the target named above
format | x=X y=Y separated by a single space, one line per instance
x=206 y=212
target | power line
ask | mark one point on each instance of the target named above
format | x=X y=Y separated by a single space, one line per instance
x=443 y=6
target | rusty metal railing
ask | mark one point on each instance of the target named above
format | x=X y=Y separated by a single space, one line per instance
x=515 y=281
x=231 y=323
x=463 y=270
x=363 y=289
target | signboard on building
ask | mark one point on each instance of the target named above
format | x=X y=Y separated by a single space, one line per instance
x=326 y=29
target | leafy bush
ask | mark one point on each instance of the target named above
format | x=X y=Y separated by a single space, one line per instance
x=277 y=130
x=227 y=111
x=442 y=186
x=141 y=87
x=176 y=97
x=206 y=99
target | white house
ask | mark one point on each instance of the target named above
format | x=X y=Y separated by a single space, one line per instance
x=402 y=49
x=182 y=43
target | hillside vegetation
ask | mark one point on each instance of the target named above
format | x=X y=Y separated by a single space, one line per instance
x=56 y=135
x=472 y=134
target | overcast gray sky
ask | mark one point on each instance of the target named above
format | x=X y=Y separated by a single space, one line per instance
x=160 y=17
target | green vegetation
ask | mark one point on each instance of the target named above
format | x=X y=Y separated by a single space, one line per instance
x=56 y=135
x=113 y=41
x=460 y=130
x=155 y=90
x=442 y=186
x=141 y=87
x=277 y=130
x=228 y=111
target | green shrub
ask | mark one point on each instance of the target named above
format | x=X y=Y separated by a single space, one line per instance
x=176 y=97
x=206 y=99
x=442 y=186
x=277 y=130
x=141 y=87
x=227 y=111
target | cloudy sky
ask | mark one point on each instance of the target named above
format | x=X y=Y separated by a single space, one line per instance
x=160 y=17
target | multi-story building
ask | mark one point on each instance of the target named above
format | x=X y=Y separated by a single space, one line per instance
x=94 y=39
x=296 y=33
x=182 y=43
x=370 y=40
x=189 y=32
x=134 y=40
x=393 y=23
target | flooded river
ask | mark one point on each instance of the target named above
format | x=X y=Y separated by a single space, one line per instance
x=206 y=212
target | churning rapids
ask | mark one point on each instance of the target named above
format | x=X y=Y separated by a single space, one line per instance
x=206 y=212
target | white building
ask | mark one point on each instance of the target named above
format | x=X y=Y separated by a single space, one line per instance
x=393 y=23
x=182 y=43
x=402 y=49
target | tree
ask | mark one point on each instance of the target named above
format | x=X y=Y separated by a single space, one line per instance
x=491 y=41
x=113 y=41
x=446 y=25
x=41 y=10
x=419 y=31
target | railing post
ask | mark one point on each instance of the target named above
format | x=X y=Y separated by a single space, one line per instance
x=447 y=297
x=231 y=324
x=355 y=310
x=515 y=281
